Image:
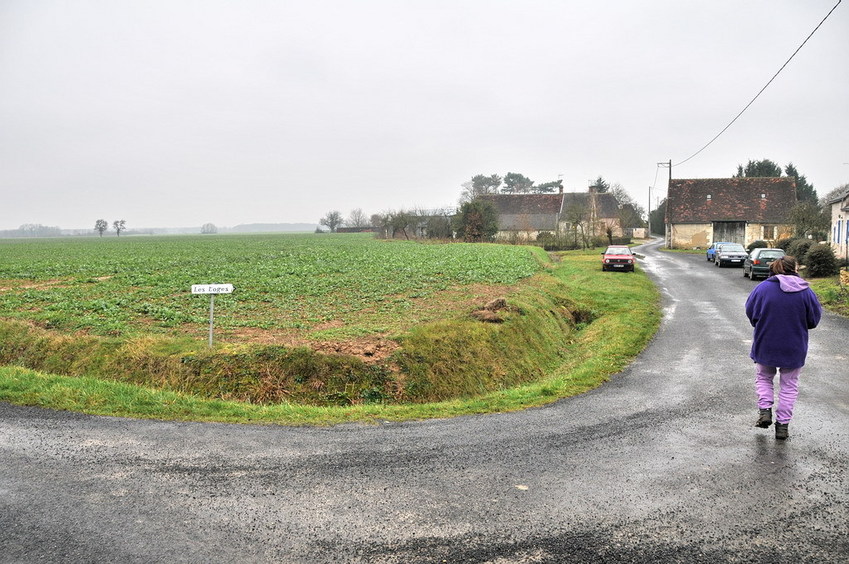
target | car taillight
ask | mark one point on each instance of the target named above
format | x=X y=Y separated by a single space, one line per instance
x=756 y=261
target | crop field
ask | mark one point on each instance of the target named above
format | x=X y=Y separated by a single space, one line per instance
x=319 y=328
x=312 y=286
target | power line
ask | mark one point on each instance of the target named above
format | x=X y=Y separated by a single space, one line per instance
x=764 y=88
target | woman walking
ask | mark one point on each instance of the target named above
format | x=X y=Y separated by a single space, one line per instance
x=782 y=309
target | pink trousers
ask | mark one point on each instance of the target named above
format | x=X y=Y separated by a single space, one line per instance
x=788 y=389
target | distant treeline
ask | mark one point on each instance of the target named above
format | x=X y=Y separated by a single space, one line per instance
x=38 y=230
x=32 y=230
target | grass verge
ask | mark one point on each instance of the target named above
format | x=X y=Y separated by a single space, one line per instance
x=832 y=295
x=534 y=345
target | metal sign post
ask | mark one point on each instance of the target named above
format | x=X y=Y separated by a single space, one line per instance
x=212 y=289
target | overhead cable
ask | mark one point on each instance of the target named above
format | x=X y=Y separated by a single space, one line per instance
x=762 y=89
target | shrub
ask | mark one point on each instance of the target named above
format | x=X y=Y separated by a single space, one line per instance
x=799 y=248
x=546 y=238
x=757 y=245
x=821 y=261
x=785 y=243
x=604 y=241
x=552 y=242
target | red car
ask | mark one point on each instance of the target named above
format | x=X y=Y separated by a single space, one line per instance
x=617 y=257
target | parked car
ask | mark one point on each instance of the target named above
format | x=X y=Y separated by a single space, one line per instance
x=757 y=263
x=617 y=257
x=730 y=253
x=711 y=251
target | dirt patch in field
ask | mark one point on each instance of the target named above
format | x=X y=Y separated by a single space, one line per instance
x=14 y=285
x=10 y=285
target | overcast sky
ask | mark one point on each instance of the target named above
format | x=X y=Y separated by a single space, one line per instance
x=176 y=113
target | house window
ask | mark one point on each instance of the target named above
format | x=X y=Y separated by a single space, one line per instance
x=708 y=196
x=769 y=232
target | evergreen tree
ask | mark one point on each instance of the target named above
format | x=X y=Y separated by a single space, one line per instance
x=762 y=169
x=766 y=168
x=476 y=221
x=804 y=192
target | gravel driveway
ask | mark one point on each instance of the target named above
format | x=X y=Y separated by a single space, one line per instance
x=661 y=464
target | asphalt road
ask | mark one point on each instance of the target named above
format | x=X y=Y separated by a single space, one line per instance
x=661 y=464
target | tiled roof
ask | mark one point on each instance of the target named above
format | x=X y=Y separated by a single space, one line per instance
x=703 y=200
x=525 y=204
x=606 y=204
x=526 y=212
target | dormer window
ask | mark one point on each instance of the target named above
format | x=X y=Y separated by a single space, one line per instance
x=763 y=196
x=708 y=196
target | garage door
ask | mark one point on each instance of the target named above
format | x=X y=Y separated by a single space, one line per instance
x=732 y=231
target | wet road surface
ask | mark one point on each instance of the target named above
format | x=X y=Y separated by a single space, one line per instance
x=661 y=464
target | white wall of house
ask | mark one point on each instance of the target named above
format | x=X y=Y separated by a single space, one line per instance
x=771 y=233
x=689 y=235
x=700 y=235
x=839 y=236
x=508 y=236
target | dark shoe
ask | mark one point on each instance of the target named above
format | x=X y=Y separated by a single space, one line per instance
x=781 y=430
x=764 y=418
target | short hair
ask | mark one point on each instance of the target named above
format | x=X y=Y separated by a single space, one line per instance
x=784 y=265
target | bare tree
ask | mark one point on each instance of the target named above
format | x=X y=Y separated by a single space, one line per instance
x=381 y=221
x=402 y=221
x=357 y=219
x=333 y=220
x=119 y=225
x=809 y=218
x=578 y=217
x=834 y=194
x=630 y=212
x=100 y=226
x=479 y=185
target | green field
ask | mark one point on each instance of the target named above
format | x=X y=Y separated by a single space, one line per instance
x=320 y=328
x=317 y=286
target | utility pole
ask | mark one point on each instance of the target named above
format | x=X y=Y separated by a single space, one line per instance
x=667 y=165
x=649 y=216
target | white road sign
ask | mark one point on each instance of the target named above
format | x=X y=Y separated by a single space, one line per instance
x=212 y=288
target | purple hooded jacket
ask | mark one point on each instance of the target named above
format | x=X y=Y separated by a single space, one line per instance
x=781 y=309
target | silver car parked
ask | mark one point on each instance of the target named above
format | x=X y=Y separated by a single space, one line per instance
x=730 y=253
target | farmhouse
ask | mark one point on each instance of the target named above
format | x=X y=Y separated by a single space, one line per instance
x=740 y=210
x=839 y=236
x=525 y=216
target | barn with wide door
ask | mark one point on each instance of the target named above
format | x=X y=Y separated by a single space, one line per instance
x=741 y=210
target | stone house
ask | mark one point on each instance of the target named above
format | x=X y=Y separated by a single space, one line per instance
x=741 y=210
x=839 y=235
x=522 y=217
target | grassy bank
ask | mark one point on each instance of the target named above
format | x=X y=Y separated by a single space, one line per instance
x=561 y=332
x=832 y=295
